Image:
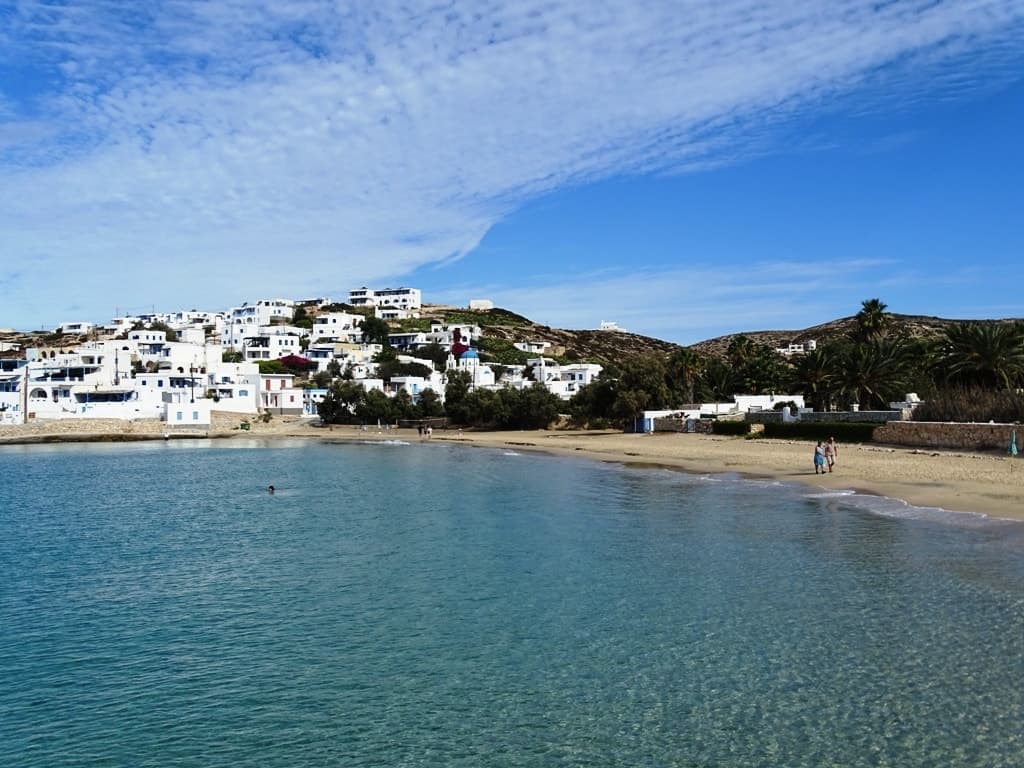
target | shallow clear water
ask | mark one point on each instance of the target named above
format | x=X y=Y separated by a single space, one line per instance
x=437 y=605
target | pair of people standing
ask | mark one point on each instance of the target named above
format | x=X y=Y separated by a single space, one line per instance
x=825 y=456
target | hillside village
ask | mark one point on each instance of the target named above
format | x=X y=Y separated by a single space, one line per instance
x=182 y=367
x=385 y=356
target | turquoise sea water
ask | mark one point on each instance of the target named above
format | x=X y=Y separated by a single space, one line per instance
x=435 y=605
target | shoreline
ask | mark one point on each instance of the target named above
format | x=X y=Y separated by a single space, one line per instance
x=961 y=482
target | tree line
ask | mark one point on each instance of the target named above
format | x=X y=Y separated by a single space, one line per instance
x=973 y=371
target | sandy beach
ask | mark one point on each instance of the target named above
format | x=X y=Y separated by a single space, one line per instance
x=990 y=484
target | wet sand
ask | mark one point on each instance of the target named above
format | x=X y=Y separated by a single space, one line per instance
x=990 y=484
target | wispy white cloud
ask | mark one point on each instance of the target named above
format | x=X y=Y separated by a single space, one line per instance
x=198 y=152
x=692 y=303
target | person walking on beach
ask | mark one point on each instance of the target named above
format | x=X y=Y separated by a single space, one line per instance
x=831 y=450
x=819 y=459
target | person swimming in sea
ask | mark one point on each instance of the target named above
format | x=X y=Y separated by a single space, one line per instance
x=270 y=489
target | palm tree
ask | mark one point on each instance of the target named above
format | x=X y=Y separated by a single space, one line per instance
x=987 y=354
x=719 y=381
x=873 y=372
x=683 y=373
x=741 y=349
x=814 y=376
x=872 y=320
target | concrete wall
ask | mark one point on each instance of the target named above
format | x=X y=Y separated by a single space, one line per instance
x=931 y=434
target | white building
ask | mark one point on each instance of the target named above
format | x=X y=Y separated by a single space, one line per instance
x=13 y=377
x=481 y=374
x=798 y=349
x=404 y=298
x=746 y=403
x=394 y=313
x=445 y=335
x=181 y=412
x=337 y=326
x=311 y=399
x=417 y=385
x=234 y=387
x=270 y=346
x=76 y=328
x=83 y=384
x=247 y=319
x=279 y=395
x=567 y=380
x=533 y=347
x=153 y=391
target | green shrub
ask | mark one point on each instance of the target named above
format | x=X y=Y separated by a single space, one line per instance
x=730 y=428
x=501 y=351
x=844 y=432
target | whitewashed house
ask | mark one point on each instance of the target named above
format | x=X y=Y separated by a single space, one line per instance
x=155 y=390
x=410 y=341
x=13 y=378
x=394 y=313
x=82 y=384
x=181 y=412
x=76 y=328
x=234 y=387
x=337 y=326
x=311 y=399
x=270 y=346
x=417 y=385
x=404 y=298
x=246 y=320
x=279 y=395
x=532 y=347
x=567 y=380
x=797 y=348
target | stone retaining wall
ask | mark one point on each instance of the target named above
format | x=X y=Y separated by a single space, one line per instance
x=858 y=417
x=932 y=434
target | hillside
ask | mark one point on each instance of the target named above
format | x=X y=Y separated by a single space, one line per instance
x=590 y=345
x=584 y=345
x=902 y=326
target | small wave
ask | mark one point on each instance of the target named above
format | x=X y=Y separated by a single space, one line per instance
x=830 y=494
x=385 y=442
x=886 y=506
x=510 y=453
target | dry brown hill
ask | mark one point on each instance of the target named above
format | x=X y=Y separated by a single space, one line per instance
x=902 y=326
x=596 y=345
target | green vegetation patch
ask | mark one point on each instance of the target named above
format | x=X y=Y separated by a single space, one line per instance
x=484 y=317
x=844 y=432
x=500 y=351
x=730 y=428
x=410 y=325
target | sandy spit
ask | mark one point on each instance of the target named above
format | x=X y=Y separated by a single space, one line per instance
x=990 y=484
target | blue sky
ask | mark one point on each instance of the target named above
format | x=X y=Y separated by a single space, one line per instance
x=684 y=169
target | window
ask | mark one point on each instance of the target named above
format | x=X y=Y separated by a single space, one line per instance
x=195 y=415
x=179 y=415
x=159 y=382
